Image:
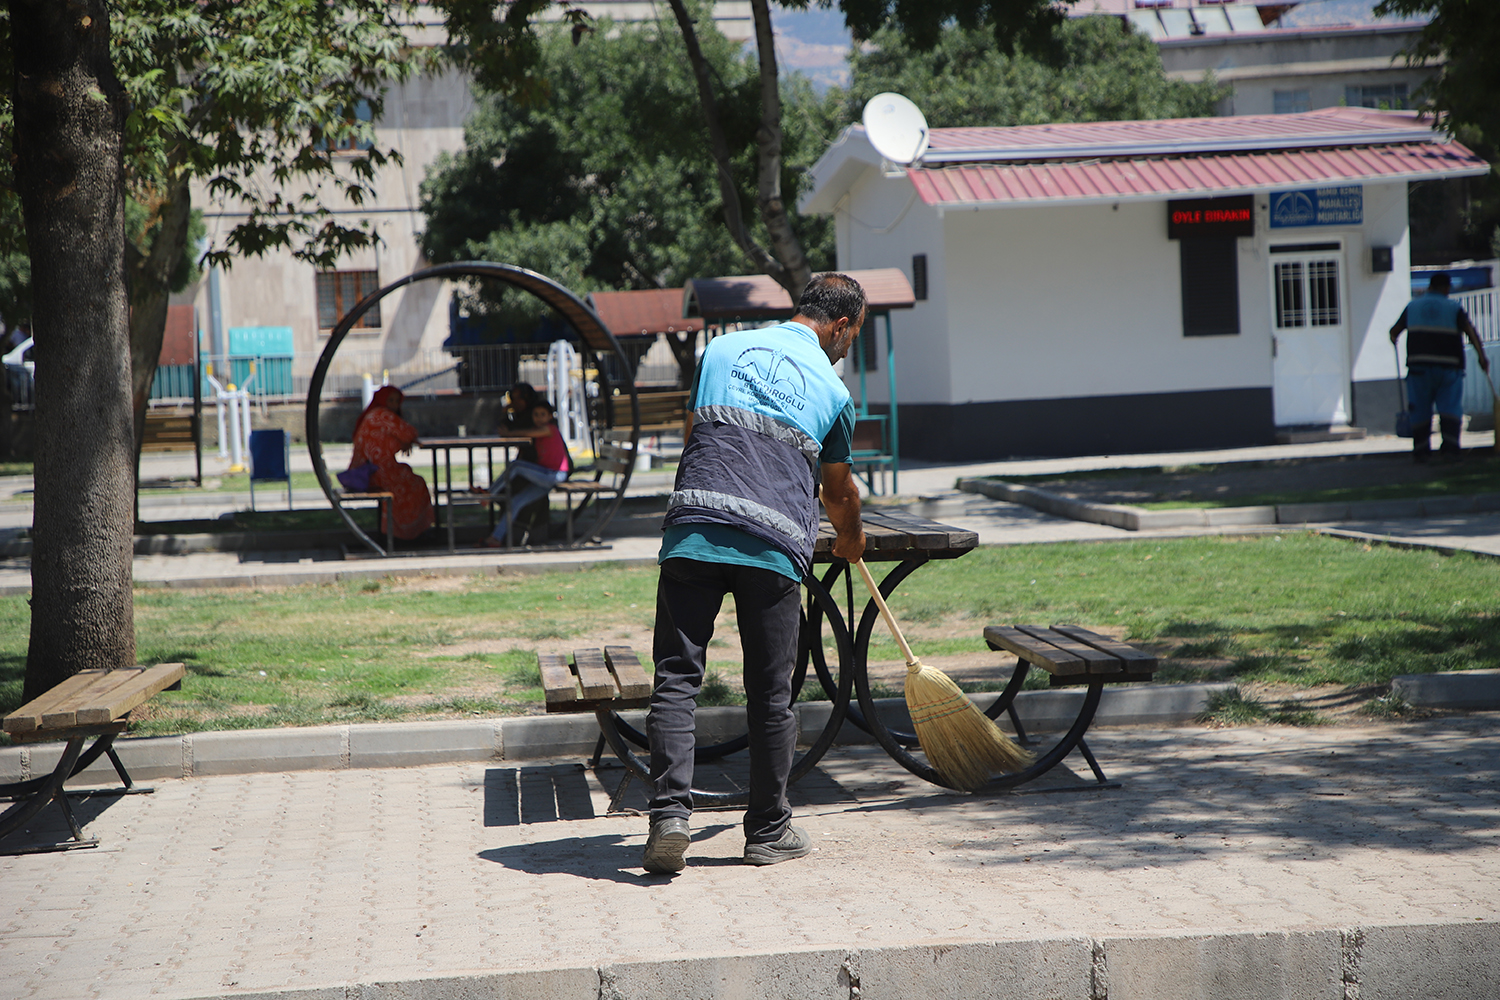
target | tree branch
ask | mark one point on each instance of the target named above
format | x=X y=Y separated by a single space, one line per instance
x=719 y=149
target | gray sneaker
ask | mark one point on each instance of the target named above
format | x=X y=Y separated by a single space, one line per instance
x=794 y=843
x=665 y=846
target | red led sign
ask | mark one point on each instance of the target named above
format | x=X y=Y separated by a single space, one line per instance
x=1211 y=217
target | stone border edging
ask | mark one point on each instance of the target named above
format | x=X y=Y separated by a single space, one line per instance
x=1138 y=518
x=412 y=744
x=1435 y=961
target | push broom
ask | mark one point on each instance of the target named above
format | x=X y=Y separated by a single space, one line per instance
x=963 y=745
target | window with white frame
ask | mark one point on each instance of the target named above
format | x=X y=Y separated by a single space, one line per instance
x=1305 y=281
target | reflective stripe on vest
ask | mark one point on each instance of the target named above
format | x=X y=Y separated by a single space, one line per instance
x=760 y=513
x=761 y=424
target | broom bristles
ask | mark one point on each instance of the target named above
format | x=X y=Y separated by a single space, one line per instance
x=963 y=744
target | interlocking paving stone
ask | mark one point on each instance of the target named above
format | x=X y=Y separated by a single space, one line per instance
x=313 y=879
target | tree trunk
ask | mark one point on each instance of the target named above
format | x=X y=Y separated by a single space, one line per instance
x=150 y=290
x=69 y=124
x=768 y=138
x=718 y=147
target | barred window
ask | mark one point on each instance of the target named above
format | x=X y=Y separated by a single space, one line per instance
x=340 y=291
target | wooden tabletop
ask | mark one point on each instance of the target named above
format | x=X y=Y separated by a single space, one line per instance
x=472 y=441
x=892 y=535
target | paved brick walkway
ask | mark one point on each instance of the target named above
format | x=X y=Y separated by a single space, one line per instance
x=464 y=876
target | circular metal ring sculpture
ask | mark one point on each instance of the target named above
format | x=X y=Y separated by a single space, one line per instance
x=586 y=323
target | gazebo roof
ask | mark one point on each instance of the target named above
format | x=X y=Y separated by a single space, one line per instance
x=649 y=312
x=758 y=296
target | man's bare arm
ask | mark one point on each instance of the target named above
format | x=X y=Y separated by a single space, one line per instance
x=840 y=493
x=1467 y=326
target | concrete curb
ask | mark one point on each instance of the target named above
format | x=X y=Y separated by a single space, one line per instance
x=1378 y=962
x=412 y=744
x=1139 y=519
x=1469 y=690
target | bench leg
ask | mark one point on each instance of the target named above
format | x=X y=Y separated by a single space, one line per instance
x=618 y=797
x=51 y=788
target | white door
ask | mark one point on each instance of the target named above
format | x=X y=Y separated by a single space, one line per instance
x=1309 y=342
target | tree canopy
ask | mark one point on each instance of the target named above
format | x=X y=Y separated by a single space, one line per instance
x=1464 y=35
x=1103 y=71
x=497 y=39
x=268 y=104
x=608 y=183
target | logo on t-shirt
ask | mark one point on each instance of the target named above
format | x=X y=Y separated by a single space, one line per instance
x=770 y=377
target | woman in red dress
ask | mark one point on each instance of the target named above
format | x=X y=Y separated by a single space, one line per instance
x=379 y=435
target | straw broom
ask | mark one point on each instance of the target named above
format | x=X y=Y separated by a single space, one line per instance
x=963 y=745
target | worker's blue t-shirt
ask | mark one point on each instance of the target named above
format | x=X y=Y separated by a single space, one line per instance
x=723 y=544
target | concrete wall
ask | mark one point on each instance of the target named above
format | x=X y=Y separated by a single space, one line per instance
x=1050 y=303
x=890 y=226
x=1321 y=61
x=423 y=118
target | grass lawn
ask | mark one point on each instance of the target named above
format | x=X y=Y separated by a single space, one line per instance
x=1294 y=609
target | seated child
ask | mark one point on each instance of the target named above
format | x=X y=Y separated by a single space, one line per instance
x=530 y=481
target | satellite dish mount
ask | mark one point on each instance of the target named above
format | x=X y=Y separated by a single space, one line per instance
x=897 y=130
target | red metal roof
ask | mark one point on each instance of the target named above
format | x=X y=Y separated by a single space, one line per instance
x=758 y=296
x=649 y=312
x=1156 y=177
x=1325 y=127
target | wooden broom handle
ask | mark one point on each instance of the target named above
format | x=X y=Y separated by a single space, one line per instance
x=885 y=612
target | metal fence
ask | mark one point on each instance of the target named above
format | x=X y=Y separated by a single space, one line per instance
x=1483 y=307
x=488 y=368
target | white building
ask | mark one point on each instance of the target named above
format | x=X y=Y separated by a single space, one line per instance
x=1133 y=286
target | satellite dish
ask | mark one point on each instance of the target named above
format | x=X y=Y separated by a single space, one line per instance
x=896 y=128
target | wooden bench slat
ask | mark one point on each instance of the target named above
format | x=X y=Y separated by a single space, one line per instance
x=65 y=713
x=29 y=716
x=1097 y=661
x=558 y=682
x=1136 y=660
x=634 y=682
x=593 y=676
x=1042 y=654
x=130 y=693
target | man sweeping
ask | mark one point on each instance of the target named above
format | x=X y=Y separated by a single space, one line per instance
x=769 y=422
x=1435 y=366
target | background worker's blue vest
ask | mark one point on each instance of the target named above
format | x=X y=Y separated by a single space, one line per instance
x=1433 y=336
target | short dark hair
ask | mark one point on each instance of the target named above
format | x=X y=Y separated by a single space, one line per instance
x=1440 y=282
x=832 y=296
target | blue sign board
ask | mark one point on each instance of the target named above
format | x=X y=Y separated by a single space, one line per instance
x=1328 y=206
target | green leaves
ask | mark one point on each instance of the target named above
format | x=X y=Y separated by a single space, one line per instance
x=1105 y=72
x=608 y=183
x=234 y=94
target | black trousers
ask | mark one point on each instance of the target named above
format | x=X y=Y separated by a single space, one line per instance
x=767 y=607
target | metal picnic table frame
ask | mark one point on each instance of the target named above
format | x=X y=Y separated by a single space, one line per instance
x=909 y=542
x=596 y=339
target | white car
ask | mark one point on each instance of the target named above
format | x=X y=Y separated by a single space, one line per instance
x=20 y=373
